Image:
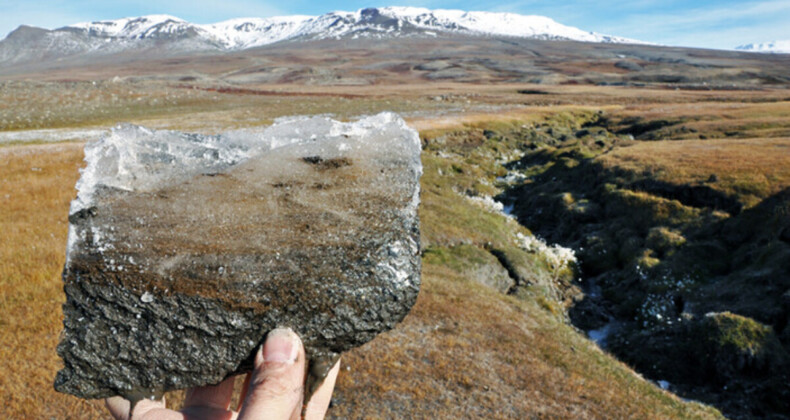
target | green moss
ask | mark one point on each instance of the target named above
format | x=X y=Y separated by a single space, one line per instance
x=572 y=120
x=664 y=240
x=568 y=163
x=733 y=346
x=473 y=262
x=548 y=304
x=567 y=199
x=528 y=267
x=459 y=258
x=647 y=260
x=450 y=219
x=644 y=211
x=739 y=333
x=456 y=164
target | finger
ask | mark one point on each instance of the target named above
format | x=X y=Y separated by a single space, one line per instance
x=119 y=407
x=277 y=383
x=213 y=396
x=205 y=413
x=319 y=402
x=146 y=409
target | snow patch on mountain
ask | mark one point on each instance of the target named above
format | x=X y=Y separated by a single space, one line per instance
x=489 y=23
x=776 y=47
x=135 y=27
x=237 y=34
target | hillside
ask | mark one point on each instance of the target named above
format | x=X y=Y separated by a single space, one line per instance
x=348 y=63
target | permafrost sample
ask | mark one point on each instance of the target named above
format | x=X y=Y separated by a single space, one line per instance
x=185 y=250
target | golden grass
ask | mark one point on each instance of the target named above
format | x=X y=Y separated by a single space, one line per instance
x=36 y=186
x=708 y=108
x=162 y=104
x=750 y=169
x=465 y=351
x=718 y=117
x=31 y=106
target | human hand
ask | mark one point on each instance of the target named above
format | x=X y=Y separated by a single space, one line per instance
x=273 y=391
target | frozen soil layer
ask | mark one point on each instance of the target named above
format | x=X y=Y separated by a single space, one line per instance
x=184 y=250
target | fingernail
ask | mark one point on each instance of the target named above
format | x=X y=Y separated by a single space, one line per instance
x=282 y=346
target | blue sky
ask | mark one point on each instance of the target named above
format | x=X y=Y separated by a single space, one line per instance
x=706 y=23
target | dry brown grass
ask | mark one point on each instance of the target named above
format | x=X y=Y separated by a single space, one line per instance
x=36 y=186
x=750 y=169
x=719 y=117
x=172 y=104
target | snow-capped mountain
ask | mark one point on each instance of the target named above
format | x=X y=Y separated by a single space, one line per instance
x=235 y=34
x=244 y=33
x=776 y=47
x=173 y=34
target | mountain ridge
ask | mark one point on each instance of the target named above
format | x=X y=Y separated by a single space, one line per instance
x=386 y=20
x=177 y=35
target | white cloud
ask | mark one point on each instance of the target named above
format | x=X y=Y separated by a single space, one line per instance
x=721 y=27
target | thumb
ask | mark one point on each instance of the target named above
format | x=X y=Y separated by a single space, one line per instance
x=277 y=385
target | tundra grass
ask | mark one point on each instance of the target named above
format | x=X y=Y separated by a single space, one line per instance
x=31 y=106
x=465 y=350
x=747 y=169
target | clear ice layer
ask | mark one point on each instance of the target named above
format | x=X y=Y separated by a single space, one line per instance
x=135 y=158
